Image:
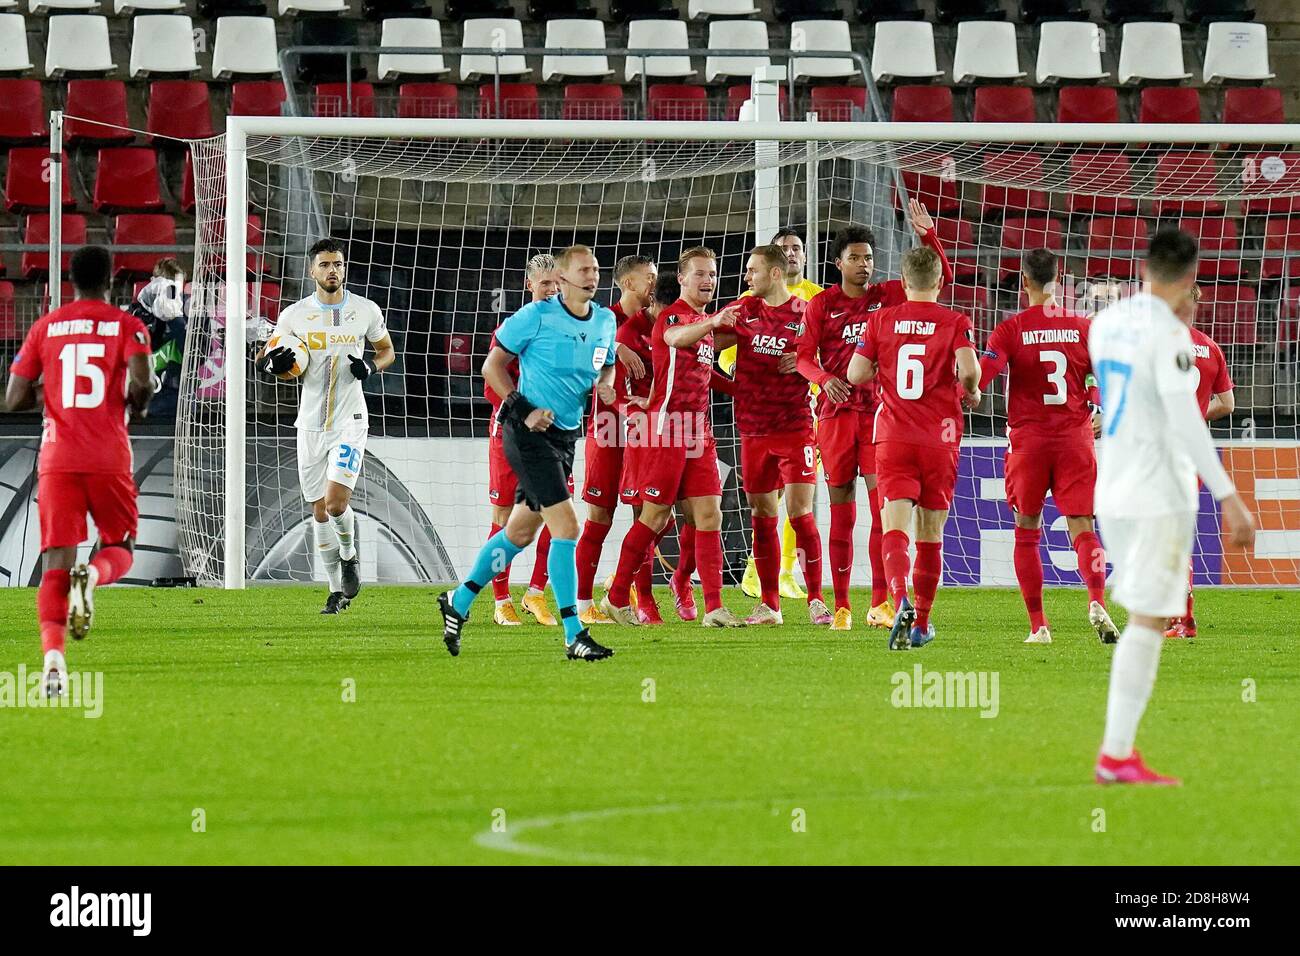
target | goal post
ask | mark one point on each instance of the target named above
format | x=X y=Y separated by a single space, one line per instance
x=441 y=215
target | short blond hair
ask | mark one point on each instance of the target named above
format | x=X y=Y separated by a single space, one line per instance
x=694 y=252
x=567 y=256
x=921 y=268
x=538 y=264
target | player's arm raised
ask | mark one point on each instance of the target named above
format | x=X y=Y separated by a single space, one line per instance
x=684 y=336
x=923 y=226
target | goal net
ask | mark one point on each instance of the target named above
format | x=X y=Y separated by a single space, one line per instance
x=440 y=218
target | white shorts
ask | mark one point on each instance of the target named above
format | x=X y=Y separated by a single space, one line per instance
x=1152 y=558
x=335 y=455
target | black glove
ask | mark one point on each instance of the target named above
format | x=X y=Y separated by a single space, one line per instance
x=277 y=361
x=362 y=368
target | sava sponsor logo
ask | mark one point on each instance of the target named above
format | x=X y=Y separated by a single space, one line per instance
x=913 y=327
x=130 y=910
x=317 y=341
x=853 y=331
x=1048 y=336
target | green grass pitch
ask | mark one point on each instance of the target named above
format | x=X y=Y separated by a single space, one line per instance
x=225 y=737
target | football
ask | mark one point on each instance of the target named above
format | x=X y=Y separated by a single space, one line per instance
x=300 y=354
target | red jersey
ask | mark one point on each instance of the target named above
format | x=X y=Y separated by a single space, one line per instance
x=682 y=375
x=489 y=392
x=1047 y=392
x=914 y=346
x=82 y=350
x=768 y=402
x=635 y=334
x=1212 y=368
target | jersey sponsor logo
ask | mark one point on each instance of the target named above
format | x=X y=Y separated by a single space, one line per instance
x=705 y=354
x=913 y=327
x=598 y=357
x=853 y=331
x=318 y=341
x=769 y=344
x=1202 y=351
x=1048 y=336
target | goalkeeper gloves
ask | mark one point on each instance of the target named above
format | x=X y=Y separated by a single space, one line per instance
x=363 y=367
x=277 y=361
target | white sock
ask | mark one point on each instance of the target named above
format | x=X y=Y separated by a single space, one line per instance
x=55 y=659
x=92 y=576
x=534 y=592
x=502 y=602
x=583 y=605
x=1132 y=678
x=327 y=546
x=344 y=525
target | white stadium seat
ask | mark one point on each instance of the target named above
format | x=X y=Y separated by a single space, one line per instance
x=405 y=31
x=658 y=35
x=819 y=35
x=162 y=43
x=14 y=55
x=8 y=4
x=721 y=8
x=125 y=7
x=736 y=35
x=904 y=49
x=245 y=45
x=1237 y=51
x=78 y=42
x=986 y=50
x=290 y=7
x=1151 y=51
x=499 y=34
x=45 y=6
x=575 y=35
x=1068 y=50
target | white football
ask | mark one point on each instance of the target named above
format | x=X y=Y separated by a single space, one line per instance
x=300 y=354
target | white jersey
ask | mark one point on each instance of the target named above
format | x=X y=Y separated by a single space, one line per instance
x=331 y=396
x=1141 y=353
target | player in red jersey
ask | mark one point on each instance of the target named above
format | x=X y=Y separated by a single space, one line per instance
x=1052 y=423
x=605 y=453
x=910 y=351
x=541 y=280
x=679 y=462
x=94 y=362
x=834 y=323
x=1214 y=393
x=776 y=435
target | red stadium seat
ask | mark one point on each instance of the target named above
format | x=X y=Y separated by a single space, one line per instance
x=973 y=300
x=101 y=100
x=24 y=117
x=593 y=101
x=1029 y=232
x=26 y=187
x=1186 y=174
x=1108 y=235
x=1087 y=104
x=332 y=100
x=180 y=108
x=1253 y=104
x=957 y=236
x=1215 y=234
x=66 y=294
x=518 y=101
x=676 y=103
x=1229 y=314
x=737 y=94
x=127 y=181
x=922 y=104
x=428 y=101
x=1270 y=172
x=939 y=193
x=460 y=353
x=836 y=104
x=1169 y=104
x=8 y=313
x=187 y=186
x=1020 y=167
x=1004 y=104
x=141 y=230
x=1282 y=235
x=1091 y=172
x=256 y=98
x=36 y=265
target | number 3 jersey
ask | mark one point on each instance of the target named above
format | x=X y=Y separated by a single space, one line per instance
x=82 y=350
x=331 y=396
x=914 y=346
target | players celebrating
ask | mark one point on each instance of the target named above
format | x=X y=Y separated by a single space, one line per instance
x=565 y=345
x=910 y=351
x=1049 y=438
x=332 y=418
x=1153 y=445
x=94 y=359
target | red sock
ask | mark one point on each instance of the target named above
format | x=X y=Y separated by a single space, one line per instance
x=876 y=551
x=897 y=564
x=809 y=542
x=644 y=578
x=767 y=559
x=708 y=552
x=538 y=583
x=587 y=556
x=925 y=578
x=1191 y=576
x=500 y=583
x=685 y=554
x=1092 y=565
x=631 y=556
x=111 y=563
x=843 y=518
x=1029 y=574
x=52 y=609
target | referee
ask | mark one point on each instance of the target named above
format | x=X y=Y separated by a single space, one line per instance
x=565 y=345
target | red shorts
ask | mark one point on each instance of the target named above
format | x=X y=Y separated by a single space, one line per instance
x=1069 y=470
x=925 y=474
x=501 y=477
x=770 y=462
x=64 y=497
x=604 y=473
x=667 y=473
x=844 y=441
x=629 y=484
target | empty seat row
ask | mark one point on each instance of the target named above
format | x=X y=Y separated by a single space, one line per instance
x=126 y=180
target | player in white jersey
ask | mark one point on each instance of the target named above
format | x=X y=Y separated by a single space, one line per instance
x=1154 y=443
x=332 y=422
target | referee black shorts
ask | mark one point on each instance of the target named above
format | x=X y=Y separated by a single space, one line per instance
x=542 y=461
